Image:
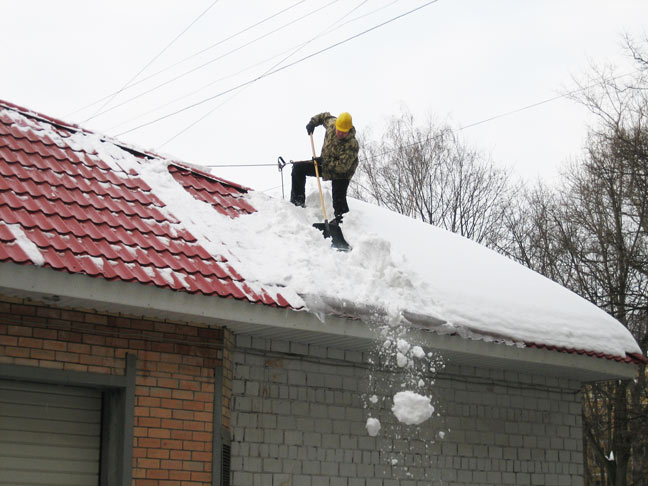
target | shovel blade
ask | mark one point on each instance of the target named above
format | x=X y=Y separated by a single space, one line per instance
x=334 y=232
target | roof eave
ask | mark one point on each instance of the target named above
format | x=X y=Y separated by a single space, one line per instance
x=81 y=291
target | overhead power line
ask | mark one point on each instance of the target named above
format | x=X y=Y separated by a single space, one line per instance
x=128 y=83
x=474 y=124
x=332 y=46
x=507 y=113
x=205 y=64
x=132 y=84
x=291 y=50
x=295 y=51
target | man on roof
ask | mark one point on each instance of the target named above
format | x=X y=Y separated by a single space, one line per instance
x=337 y=163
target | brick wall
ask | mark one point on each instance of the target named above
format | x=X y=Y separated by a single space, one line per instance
x=299 y=415
x=174 y=392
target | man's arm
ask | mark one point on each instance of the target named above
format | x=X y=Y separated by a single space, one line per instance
x=317 y=120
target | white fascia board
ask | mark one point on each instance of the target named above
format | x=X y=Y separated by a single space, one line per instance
x=81 y=291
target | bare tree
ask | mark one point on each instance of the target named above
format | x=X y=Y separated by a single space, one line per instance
x=429 y=174
x=591 y=235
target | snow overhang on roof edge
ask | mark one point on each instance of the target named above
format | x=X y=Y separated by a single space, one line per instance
x=81 y=291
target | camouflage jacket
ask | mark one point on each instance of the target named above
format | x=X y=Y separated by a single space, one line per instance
x=340 y=157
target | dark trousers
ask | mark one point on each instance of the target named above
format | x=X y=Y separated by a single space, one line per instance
x=297 y=195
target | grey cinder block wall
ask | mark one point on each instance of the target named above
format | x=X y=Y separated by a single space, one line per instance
x=299 y=414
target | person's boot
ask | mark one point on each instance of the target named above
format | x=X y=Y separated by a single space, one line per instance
x=298 y=200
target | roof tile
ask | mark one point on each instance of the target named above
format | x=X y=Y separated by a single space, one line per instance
x=98 y=217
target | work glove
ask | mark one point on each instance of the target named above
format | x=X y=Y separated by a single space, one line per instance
x=310 y=128
x=319 y=160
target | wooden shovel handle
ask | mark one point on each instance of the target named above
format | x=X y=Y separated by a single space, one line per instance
x=319 y=185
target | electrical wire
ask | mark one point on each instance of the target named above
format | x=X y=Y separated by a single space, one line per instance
x=332 y=46
x=128 y=83
x=247 y=68
x=211 y=111
x=205 y=64
x=502 y=115
x=187 y=58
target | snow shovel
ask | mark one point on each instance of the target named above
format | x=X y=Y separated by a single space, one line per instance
x=329 y=230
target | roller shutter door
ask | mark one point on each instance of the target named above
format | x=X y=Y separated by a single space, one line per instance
x=49 y=435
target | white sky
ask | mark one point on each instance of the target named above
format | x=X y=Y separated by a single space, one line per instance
x=457 y=60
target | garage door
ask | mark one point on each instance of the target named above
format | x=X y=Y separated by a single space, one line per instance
x=49 y=435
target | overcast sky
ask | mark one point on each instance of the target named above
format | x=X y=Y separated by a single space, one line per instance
x=459 y=61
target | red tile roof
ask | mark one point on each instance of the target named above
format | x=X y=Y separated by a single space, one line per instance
x=85 y=217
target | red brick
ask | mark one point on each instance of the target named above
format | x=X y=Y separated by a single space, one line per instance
x=191 y=445
x=145 y=381
x=48 y=312
x=103 y=351
x=172 y=464
x=171 y=444
x=68 y=336
x=75 y=367
x=69 y=357
x=89 y=359
x=19 y=331
x=148 y=422
x=182 y=395
x=201 y=476
x=23 y=310
x=142 y=412
x=45 y=333
x=164 y=393
x=180 y=475
x=181 y=414
x=158 y=453
x=202 y=436
x=43 y=354
x=167 y=383
x=79 y=348
x=159 y=433
x=55 y=345
x=147 y=401
x=181 y=455
x=201 y=456
x=196 y=406
x=140 y=452
x=160 y=412
x=8 y=341
x=150 y=443
x=157 y=474
x=96 y=319
x=15 y=352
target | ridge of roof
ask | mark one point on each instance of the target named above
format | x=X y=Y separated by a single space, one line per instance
x=137 y=151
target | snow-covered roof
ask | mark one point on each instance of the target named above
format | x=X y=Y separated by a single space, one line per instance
x=77 y=202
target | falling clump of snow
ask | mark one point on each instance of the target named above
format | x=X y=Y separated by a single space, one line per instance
x=411 y=408
x=373 y=426
x=417 y=352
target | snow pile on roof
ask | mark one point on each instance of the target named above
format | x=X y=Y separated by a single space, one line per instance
x=409 y=272
x=400 y=271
